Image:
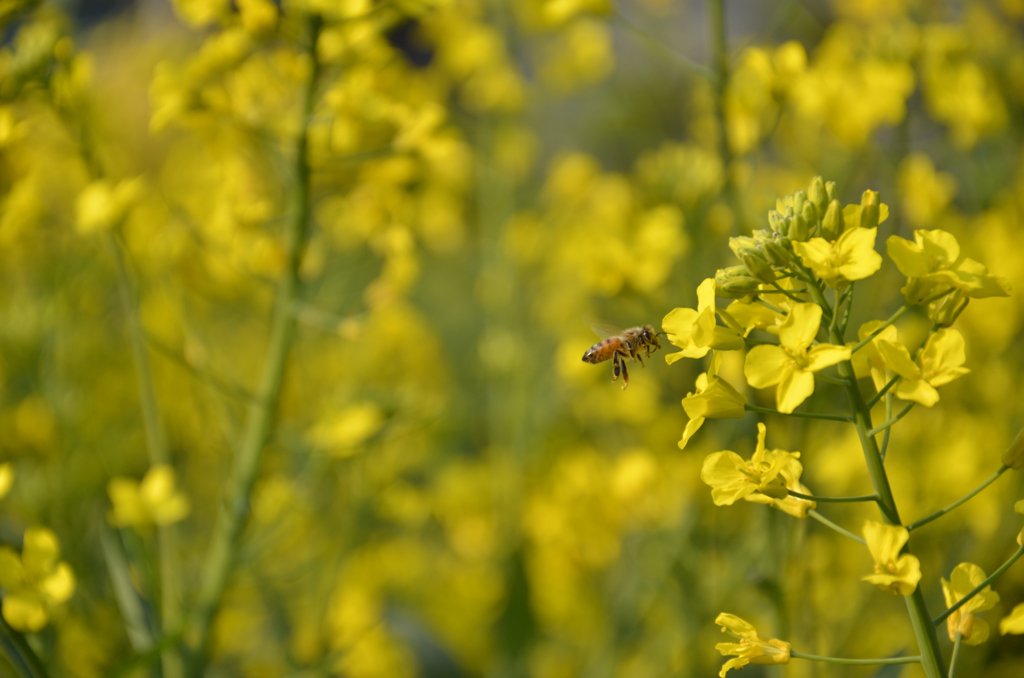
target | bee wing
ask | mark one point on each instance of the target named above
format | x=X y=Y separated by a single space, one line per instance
x=603 y=329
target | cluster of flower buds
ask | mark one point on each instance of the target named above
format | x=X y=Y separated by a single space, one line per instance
x=814 y=213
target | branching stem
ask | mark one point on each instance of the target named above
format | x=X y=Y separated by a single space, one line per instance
x=980 y=587
x=941 y=512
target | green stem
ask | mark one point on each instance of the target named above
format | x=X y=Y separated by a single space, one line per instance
x=956 y=654
x=928 y=641
x=260 y=422
x=855 y=662
x=799 y=415
x=770 y=307
x=878 y=330
x=834 y=500
x=19 y=653
x=786 y=292
x=881 y=427
x=885 y=389
x=991 y=479
x=980 y=587
x=828 y=523
x=888 y=431
x=830 y=380
x=846 y=311
x=716 y=15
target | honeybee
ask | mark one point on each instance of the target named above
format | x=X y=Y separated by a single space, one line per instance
x=621 y=345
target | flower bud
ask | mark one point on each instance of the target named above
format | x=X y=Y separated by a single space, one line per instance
x=775 y=490
x=777 y=254
x=724 y=274
x=817 y=195
x=735 y=282
x=799 y=198
x=774 y=220
x=757 y=263
x=832 y=224
x=798 y=229
x=830 y=191
x=869 y=212
x=810 y=213
x=1014 y=455
x=945 y=311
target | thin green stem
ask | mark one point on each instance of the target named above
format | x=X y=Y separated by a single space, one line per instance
x=956 y=654
x=846 y=311
x=916 y=659
x=688 y=63
x=885 y=389
x=941 y=512
x=881 y=427
x=260 y=422
x=19 y=653
x=834 y=500
x=980 y=587
x=799 y=415
x=888 y=432
x=932 y=660
x=716 y=16
x=833 y=326
x=770 y=307
x=878 y=330
x=786 y=292
x=841 y=530
x=759 y=342
x=830 y=380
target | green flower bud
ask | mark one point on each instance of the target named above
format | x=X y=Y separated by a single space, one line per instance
x=774 y=220
x=817 y=195
x=757 y=263
x=739 y=244
x=869 y=209
x=724 y=274
x=830 y=191
x=799 y=198
x=948 y=309
x=777 y=254
x=736 y=288
x=798 y=229
x=810 y=213
x=1014 y=455
x=833 y=224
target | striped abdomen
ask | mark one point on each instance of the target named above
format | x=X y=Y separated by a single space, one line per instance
x=604 y=350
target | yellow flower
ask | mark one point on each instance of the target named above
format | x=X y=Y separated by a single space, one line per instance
x=964 y=579
x=102 y=206
x=1013 y=622
x=345 y=431
x=765 y=479
x=715 y=398
x=793 y=363
x=696 y=331
x=869 y=360
x=154 y=501
x=851 y=257
x=35 y=582
x=893 y=572
x=932 y=264
x=752 y=648
x=939 y=363
x=6 y=478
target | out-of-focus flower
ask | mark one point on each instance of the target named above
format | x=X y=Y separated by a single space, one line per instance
x=1013 y=622
x=932 y=264
x=6 y=478
x=154 y=501
x=696 y=332
x=34 y=582
x=752 y=648
x=895 y=573
x=925 y=192
x=102 y=205
x=793 y=363
x=939 y=363
x=964 y=579
x=343 y=432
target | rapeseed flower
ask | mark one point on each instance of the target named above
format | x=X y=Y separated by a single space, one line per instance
x=102 y=205
x=964 y=579
x=154 y=501
x=869 y=359
x=696 y=332
x=939 y=363
x=1013 y=622
x=895 y=573
x=793 y=363
x=35 y=582
x=851 y=257
x=932 y=263
x=765 y=479
x=715 y=398
x=752 y=648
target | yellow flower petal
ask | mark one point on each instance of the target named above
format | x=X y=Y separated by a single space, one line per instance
x=764 y=365
x=796 y=386
x=24 y=611
x=1013 y=622
x=824 y=355
x=800 y=327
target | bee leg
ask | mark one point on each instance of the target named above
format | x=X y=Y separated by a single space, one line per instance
x=641 y=359
x=625 y=375
x=615 y=366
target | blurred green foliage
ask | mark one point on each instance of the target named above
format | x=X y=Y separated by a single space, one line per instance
x=408 y=212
